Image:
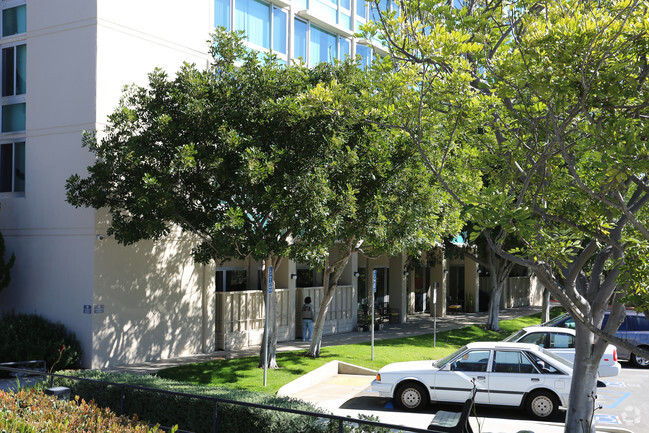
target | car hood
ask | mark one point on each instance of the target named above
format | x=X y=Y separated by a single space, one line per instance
x=409 y=367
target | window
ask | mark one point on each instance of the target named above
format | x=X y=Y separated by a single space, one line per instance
x=343 y=48
x=222 y=13
x=511 y=362
x=542 y=365
x=253 y=18
x=280 y=32
x=12 y=167
x=366 y=55
x=534 y=338
x=475 y=360
x=231 y=280
x=323 y=46
x=562 y=341
x=300 y=40
x=14 y=67
x=14 y=20
x=361 y=12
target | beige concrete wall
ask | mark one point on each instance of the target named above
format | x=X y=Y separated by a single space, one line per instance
x=150 y=302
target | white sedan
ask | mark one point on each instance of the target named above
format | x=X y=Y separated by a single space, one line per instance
x=502 y=373
x=561 y=341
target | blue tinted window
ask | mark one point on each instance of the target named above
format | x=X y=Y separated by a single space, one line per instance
x=222 y=13
x=360 y=8
x=344 y=48
x=13 y=117
x=253 y=17
x=322 y=46
x=14 y=21
x=299 y=43
x=279 y=30
x=366 y=54
x=345 y=4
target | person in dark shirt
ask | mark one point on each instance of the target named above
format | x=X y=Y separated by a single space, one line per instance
x=307 y=319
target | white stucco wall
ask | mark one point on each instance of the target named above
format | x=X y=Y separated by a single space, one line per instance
x=52 y=240
x=80 y=53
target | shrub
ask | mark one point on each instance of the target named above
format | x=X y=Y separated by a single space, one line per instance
x=30 y=337
x=31 y=411
x=194 y=414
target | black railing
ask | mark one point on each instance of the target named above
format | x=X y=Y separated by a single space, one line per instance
x=340 y=420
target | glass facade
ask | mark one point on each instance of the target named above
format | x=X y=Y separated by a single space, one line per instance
x=316 y=30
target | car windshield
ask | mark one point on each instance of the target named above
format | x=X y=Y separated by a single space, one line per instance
x=442 y=362
x=515 y=336
x=556 y=320
x=557 y=358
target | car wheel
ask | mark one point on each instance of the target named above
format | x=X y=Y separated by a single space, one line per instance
x=639 y=361
x=411 y=396
x=542 y=404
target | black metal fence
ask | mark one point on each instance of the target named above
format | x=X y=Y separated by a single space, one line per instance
x=22 y=373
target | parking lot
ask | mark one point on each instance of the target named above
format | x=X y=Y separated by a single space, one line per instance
x=623 y=402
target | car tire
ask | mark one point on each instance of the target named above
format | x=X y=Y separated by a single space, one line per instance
x=640 y=361
x=411 y=396
x=542 y=404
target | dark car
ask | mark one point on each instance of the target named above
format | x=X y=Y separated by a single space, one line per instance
x=634 y=329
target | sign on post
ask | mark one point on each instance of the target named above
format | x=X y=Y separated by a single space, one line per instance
x=268 y=292
x=372 y=307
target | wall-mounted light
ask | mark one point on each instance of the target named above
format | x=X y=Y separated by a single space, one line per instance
x=406 y=273
x=357 y=274
x=293 y=276
x=100 y=237
x=446 y=271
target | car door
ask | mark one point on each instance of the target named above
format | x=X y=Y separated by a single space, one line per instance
x=512 y=375
x=455 y=381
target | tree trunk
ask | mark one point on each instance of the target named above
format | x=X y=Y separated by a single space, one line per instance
x=494 y=303
x=583 y=389
x=545 y=309
x=330 y=282
x=269 y=357
x=318 y=328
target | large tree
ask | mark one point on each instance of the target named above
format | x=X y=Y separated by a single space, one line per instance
x=547 y=100
x=231 y=154
x=382 y=200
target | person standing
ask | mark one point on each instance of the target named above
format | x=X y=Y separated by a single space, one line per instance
x=307 y=319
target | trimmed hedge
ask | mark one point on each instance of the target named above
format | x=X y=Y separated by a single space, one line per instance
x=194 y=414
x=30 y=337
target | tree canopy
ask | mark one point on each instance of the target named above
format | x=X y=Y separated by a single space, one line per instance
x=545 y=105
x=258 y=159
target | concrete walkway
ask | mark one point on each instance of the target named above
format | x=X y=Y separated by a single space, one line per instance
x=416 y=324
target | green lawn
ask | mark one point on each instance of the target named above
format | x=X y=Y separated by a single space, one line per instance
x=242 y=373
